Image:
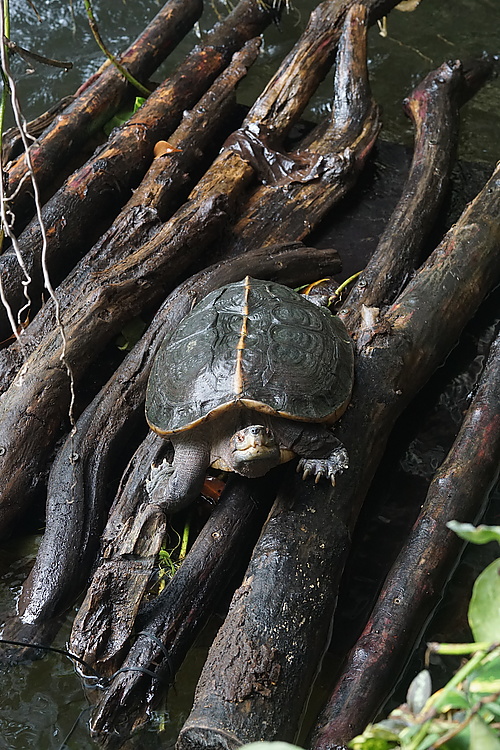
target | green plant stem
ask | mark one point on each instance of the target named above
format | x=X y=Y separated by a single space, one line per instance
x=458 y=649
x=125 y=73
x=345 y=283
x=460 y=676
x=185 y=540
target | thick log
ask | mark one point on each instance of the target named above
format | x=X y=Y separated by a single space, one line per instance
x=98 y=102
x=108 y=293
x=259 y=670
x=416 y=581
x=414 y=337
x=77 y=498
x=433 y=107
x=96 y=189
x=300 y=187
x=182 y=608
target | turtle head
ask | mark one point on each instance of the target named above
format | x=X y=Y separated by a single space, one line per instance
x=254 y=450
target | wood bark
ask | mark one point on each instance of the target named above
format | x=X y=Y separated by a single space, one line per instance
x=97 y=189
x=98 y=102
x=417 y=579
x=412 y=339
x=12 y=143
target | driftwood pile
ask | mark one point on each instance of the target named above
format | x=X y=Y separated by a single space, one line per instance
x=177 y=189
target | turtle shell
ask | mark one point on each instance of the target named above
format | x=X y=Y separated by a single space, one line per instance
x=256 y=344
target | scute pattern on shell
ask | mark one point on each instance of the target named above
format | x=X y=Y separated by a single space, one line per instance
x=296 y=358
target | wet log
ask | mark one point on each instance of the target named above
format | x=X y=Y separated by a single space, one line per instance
x=416 y=581
x=181 y=609
x=433 y=107
x=412 y=339
x=97 y=101
x=107 y=292
x=96 y=189
x=260 y=668
x=301 y=186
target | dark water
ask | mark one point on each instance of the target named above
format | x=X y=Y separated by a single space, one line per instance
x=41 y=702
x=417 y=42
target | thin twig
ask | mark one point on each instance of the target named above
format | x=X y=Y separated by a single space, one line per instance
x=125 y=73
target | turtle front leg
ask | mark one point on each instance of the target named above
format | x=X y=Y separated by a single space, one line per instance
x=175 y=485
x=321 y=454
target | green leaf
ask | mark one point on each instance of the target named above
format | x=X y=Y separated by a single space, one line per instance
x=380 y=736
x=486 y=679
x=483 y=737
x=451 y=700
x=476 y=534
x=123 y=115
x=130 y=334
x=419 y=691
x=371 y=743
x=484 y=607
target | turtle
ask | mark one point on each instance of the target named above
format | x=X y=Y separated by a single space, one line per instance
x=253 y=376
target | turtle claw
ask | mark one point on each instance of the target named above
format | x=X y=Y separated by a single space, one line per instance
x=305 y=471
x=326 y=468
